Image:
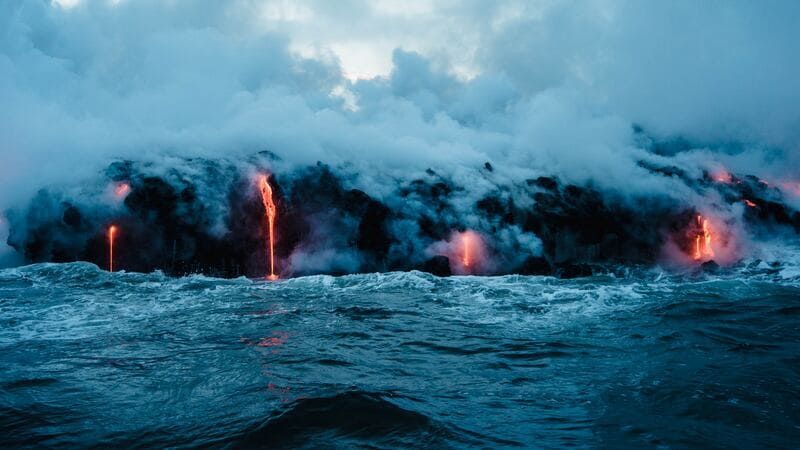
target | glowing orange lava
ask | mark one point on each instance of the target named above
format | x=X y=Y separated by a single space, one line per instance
x=750 y=204
x=271 y=211
x=122 y=189
x=466 y=245
x=702 y=241
x=722 y=176
x=112 y=230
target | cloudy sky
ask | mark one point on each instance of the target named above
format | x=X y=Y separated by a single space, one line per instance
x=532 y=86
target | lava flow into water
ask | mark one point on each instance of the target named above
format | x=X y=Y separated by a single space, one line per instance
x=467 y=251
x=470 y=253
x=112 y=230
x=270 y=211
x=702 y=242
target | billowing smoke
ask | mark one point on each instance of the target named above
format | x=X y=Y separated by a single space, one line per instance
x=560 y=133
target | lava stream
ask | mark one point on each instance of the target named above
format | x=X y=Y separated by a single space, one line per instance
x=112 y=230
x=469 y=250
x=271 y=212
x=466 y=243
x=702 y=241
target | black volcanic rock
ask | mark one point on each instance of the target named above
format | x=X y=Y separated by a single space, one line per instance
x=580 y=223
x=317 y=187
x=207 y=216
x=435 y=192
x=71 y=217
x=573 y=270
x=667 y=171
x=51 y=230
x=494 y=206
x=710 y=266
x=154 y=200
x=535 y=265
x=434 y=228
x=372 y=234
x=439 y=265
x=548 y=183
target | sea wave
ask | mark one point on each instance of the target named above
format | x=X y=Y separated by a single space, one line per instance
x=399 y=359
x=354 y=418
x=90 y=276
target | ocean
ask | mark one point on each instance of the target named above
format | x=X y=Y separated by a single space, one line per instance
x=635 y=358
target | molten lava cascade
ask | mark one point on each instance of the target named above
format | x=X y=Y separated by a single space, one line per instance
x=270 y=211
x=703 y=241
x=468 y=250
x=466 y=244
x=112 y=230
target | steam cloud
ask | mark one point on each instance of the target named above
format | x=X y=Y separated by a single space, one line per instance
x=603 y=95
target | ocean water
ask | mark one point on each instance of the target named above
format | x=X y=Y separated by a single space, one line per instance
x=392 y=360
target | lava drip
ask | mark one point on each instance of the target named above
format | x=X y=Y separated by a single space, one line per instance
x=469 y=251
x=271 y=211
x=112 y=230
x=702 y=242
x=466 y=245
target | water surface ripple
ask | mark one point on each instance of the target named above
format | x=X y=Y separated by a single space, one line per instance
x=396 y=360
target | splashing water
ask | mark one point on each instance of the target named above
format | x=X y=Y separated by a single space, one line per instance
x=271 y=211
x=604 y=361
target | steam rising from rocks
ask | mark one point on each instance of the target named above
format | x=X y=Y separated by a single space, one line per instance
x=584 y=132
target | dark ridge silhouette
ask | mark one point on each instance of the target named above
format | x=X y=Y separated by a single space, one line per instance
x=213 y=223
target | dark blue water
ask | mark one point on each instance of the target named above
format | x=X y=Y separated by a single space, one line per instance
x=402 y=359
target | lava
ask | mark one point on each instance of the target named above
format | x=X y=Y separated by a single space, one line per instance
x=467 y=250
x=721 y=175
x=750 y=204
x=112 y=230
x=270 y=211
x=121 y=190
x=703 y=240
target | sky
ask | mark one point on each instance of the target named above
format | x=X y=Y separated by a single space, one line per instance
x=535 y=87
